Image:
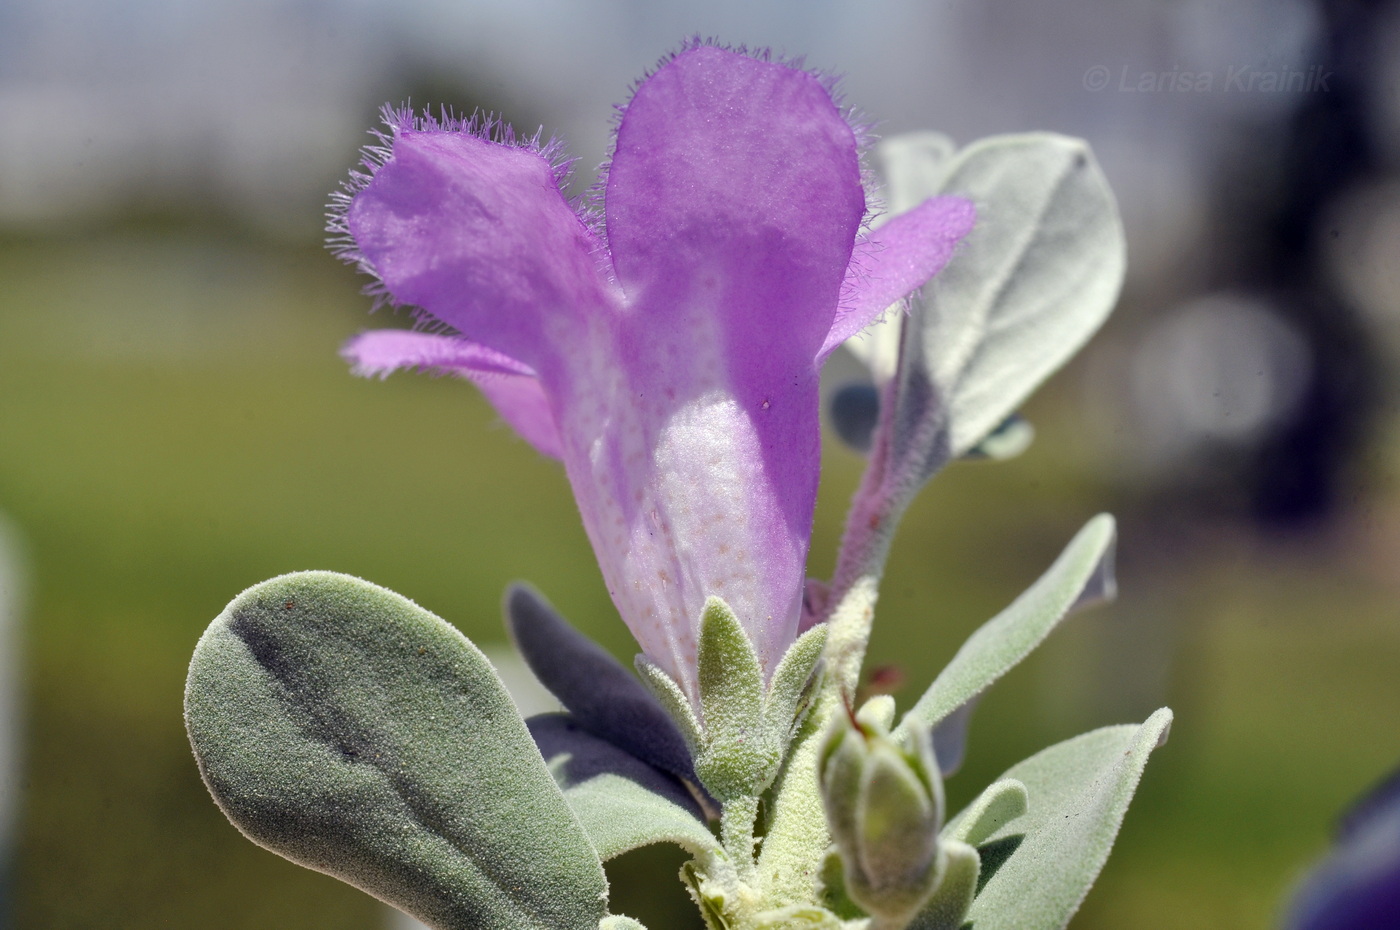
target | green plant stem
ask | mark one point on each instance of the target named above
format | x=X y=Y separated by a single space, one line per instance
x=797 y=837
x=736 y=833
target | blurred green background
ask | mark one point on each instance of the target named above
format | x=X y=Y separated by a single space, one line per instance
x=175 y=425
x=168 y=443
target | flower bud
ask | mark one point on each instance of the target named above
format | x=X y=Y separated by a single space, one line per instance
x=884 y=805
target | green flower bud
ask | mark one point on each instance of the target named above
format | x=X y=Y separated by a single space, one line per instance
x=884 y=805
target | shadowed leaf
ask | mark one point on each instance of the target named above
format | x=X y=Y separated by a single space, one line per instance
x=602 y=695
x=622 y=802
x=349 y=730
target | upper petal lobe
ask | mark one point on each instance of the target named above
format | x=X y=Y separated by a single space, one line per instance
x=477 y=234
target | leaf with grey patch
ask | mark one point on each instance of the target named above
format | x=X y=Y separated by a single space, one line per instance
x=344 y=727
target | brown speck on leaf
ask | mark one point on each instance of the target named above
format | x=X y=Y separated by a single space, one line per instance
x=288 y=604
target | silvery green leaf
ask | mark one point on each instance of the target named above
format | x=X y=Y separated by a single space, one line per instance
x=596 y=689
x=620 y=922
x=729 y=674
x=999 y=803
x=790 y=690
x=878 y=711
x=344 y=727
x=715 y=897
x=1035 y=278
x=671 y=698
x=948 y=907
x=1007 y=441
x=797 y=917
x=739 y=757
x=622 y=802
x=1032 y=281
x=796 y=832
x=913 y=164
x=850 y=612
x=1043 y=863
x=1011 y=635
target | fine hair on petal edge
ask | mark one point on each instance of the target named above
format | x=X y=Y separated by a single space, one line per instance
x=400 y=119
x=862 y=127
x=589 y=205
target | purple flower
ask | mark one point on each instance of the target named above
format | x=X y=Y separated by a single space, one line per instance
x=667 y=346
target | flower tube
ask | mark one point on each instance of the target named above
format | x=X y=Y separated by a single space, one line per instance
x=665 y=342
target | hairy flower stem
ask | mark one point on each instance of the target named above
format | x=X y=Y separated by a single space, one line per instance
x=910 y=446
x=797 y=837
x=736 y=834
x=870 y=524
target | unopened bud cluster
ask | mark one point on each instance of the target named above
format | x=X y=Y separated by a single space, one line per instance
x=884 y=803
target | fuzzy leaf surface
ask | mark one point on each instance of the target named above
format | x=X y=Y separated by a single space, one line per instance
x=1081 y=573
x=620 y=922
x=999 y=803
x=949 y=904
x=1079 y=791
x=342 y=726
x=792 y=684
x=1035 y=278
x=740 y=757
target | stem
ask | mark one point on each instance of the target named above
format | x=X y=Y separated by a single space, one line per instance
x=736 y=825
x=848 y=634
x=870 y=525
x=910 y=446
x=797 y=837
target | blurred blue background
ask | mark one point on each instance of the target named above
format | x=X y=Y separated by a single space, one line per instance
x=175 y=424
